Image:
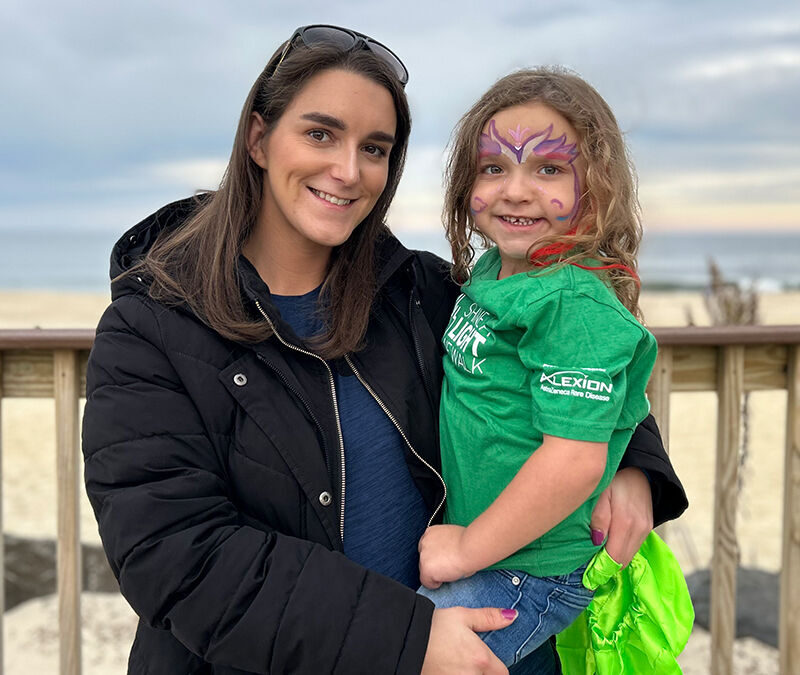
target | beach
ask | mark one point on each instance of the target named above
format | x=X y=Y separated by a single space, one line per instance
x=29 y=505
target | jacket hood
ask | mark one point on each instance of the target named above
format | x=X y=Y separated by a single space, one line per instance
x=137 y=241
x=132 y=246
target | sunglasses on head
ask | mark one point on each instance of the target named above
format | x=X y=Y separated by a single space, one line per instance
x=347 y=40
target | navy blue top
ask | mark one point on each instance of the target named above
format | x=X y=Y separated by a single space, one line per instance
x=384 y=514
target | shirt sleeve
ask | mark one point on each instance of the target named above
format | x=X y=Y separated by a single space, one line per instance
x=590 y=364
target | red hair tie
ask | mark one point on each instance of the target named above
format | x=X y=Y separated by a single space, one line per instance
x=542 y=257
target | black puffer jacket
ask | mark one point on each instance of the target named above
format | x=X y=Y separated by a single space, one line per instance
x=214 y=469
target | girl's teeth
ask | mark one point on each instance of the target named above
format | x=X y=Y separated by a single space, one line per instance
x=331 y=198
x=519 y=221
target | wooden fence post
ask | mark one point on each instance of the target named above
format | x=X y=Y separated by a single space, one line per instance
x=789 y=639
x=730 y=389
x=658 y=392
x=66 y=390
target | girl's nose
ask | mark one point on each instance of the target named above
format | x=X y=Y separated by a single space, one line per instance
x=519 y=187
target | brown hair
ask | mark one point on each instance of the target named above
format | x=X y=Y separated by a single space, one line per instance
x=609 y=224
x=197 y=263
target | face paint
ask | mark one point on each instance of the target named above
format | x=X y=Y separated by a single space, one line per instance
x=487 y=147
x=517 y=135
x=558 y=204
x=479 y=205
x=526 y=143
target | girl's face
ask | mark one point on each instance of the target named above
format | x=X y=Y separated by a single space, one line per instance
x=529 y=181
x=325 y=162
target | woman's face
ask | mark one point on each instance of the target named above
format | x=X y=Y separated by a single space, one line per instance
x=326 y=161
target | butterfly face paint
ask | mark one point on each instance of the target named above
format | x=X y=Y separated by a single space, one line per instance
x=529 y=180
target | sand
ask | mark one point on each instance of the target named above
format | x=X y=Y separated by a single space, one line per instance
x=29 y=506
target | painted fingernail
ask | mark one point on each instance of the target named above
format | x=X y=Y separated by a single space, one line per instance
x=597 y=537
x=509 y=614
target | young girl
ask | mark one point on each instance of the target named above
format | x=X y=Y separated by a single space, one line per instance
x=546 y=362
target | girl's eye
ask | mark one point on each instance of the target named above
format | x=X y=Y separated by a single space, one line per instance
x=375 y=150
x=491 y=169
x=319 y=135
x=550 y=170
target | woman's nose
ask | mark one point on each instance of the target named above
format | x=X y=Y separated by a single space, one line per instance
x=345 y=166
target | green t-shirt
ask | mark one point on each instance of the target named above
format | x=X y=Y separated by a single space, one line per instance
x=553 y=352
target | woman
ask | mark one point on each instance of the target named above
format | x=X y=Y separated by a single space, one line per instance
x=253 y=335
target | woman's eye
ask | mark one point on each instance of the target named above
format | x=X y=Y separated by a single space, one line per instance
x=375 y=150
x=319 y=135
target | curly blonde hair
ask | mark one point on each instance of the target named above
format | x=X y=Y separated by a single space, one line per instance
x=608 y=225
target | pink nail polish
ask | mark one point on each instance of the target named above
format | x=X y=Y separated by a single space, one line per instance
x=509 y=614
x=597 y=537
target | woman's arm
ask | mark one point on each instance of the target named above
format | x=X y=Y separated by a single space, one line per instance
x=646 y=452
x=646 y=490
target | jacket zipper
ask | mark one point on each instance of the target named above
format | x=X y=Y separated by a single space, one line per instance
x=402 y=433
x=335 y=409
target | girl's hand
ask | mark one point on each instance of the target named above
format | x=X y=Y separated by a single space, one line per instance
x=441 y=555
x=453 y=646
x=624 y=512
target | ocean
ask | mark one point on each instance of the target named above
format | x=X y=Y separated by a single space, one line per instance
x=79 y=261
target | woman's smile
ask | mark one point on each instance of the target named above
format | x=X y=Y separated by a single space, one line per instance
x=331 y=199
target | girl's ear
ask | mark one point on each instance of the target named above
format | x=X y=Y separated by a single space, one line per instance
x=256 y=140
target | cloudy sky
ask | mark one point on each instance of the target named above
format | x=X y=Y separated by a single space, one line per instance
x=110 y=109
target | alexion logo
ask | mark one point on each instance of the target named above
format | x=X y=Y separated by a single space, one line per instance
x=575 y=379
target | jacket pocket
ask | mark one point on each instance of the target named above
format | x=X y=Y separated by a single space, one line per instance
x=270 y=497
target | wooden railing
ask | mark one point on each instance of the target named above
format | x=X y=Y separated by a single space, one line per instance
x=52 y=364
x=729 y=360
x=733 y=361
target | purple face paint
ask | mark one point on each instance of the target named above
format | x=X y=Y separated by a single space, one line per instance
x=538 y=143
x=479 y=203
x=557 y=203
x=487 y=147
x=517 y=135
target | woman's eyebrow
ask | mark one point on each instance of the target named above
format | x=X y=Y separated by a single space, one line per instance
x=381 y=137
x=327 y=120
x=336 y=123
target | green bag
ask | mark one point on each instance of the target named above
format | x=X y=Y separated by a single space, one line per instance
x=638 y=621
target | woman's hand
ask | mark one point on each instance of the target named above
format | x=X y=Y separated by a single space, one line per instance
x=453 y=646
x=441 y=556
x=624 y=512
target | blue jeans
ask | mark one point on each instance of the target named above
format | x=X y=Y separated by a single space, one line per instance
x=546 y=605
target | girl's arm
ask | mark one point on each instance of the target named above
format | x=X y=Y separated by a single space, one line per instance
x=553 y=482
